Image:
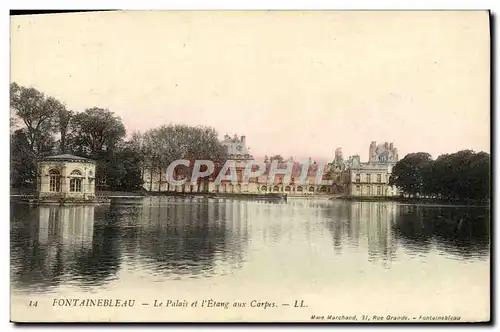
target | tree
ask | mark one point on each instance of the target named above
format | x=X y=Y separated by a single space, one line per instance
x=463 y=175
x=409 y=173
x=97 y=134
x=22 y=161
x=277 y=157
x=130 y=160
x=168 y=143
x=96 y=131
x=36 y=111
x=63 y=123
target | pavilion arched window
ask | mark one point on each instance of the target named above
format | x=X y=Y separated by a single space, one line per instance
x=75 y=182
x=55 y=180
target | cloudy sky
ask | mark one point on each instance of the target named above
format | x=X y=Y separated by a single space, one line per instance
x=295 y=83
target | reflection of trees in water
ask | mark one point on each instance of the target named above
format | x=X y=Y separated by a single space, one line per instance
x=54 y=244
x=455 y=230
x=187 y=236
x=32 y=265
x=358 y=222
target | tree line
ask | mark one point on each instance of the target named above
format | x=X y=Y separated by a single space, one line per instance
x=464 y=175
x=42 y=126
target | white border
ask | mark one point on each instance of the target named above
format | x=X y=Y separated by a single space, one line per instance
x=188 y=4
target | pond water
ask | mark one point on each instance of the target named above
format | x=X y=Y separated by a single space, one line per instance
x=307 y=257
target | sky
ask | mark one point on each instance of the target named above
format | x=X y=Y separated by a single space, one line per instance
x=295 y=83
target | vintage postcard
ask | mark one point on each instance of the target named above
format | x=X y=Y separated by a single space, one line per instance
x=250 y=166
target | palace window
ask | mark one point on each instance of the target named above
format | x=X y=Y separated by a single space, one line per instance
x=368 y=178
x=379 y=178
x=379 y=190
x=358 y=177
x=75 y=183
x=55 y=180
x=358 y=189
x=299 y=189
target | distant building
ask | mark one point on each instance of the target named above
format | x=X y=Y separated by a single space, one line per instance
x=238 y=151
x=384 y=153
x=66 y=176
x=236 y=147
x=368 y=180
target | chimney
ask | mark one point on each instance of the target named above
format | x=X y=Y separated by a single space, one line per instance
x=391 y=146
x=243 y=139
x=338 y=153
x=373 y=145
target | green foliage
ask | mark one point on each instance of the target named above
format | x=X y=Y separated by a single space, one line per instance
x=277 y=157
x=167 y=143
x=408 y=173
x=459 y=176
x=97 y=134
x=96 y=130
x=36 y=111
x=22 y=161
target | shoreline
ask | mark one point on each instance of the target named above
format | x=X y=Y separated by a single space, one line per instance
x=422 y=201
x=105 y=197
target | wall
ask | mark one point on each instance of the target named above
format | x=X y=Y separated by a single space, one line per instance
x=368 y=184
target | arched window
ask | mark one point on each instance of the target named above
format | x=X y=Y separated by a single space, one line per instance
x=311 y=189
x=276 y=188
x=263 y=188
x=323 y=189
x=287 y=188
x=75 y=183
x=299 y=189
x=55 y=180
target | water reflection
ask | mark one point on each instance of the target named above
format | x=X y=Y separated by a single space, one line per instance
x=189 y=236
x=172 y=238
x=87 y=246
x=383 y=227
x=52 y=244
x=362 y=224
x=463 y=232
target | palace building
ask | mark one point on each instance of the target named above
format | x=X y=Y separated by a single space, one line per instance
x=239 y=152
x=369 y=179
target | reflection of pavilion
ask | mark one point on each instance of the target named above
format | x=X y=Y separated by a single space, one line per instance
x=71 y=226
x=65 y=231
x=45 y=251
